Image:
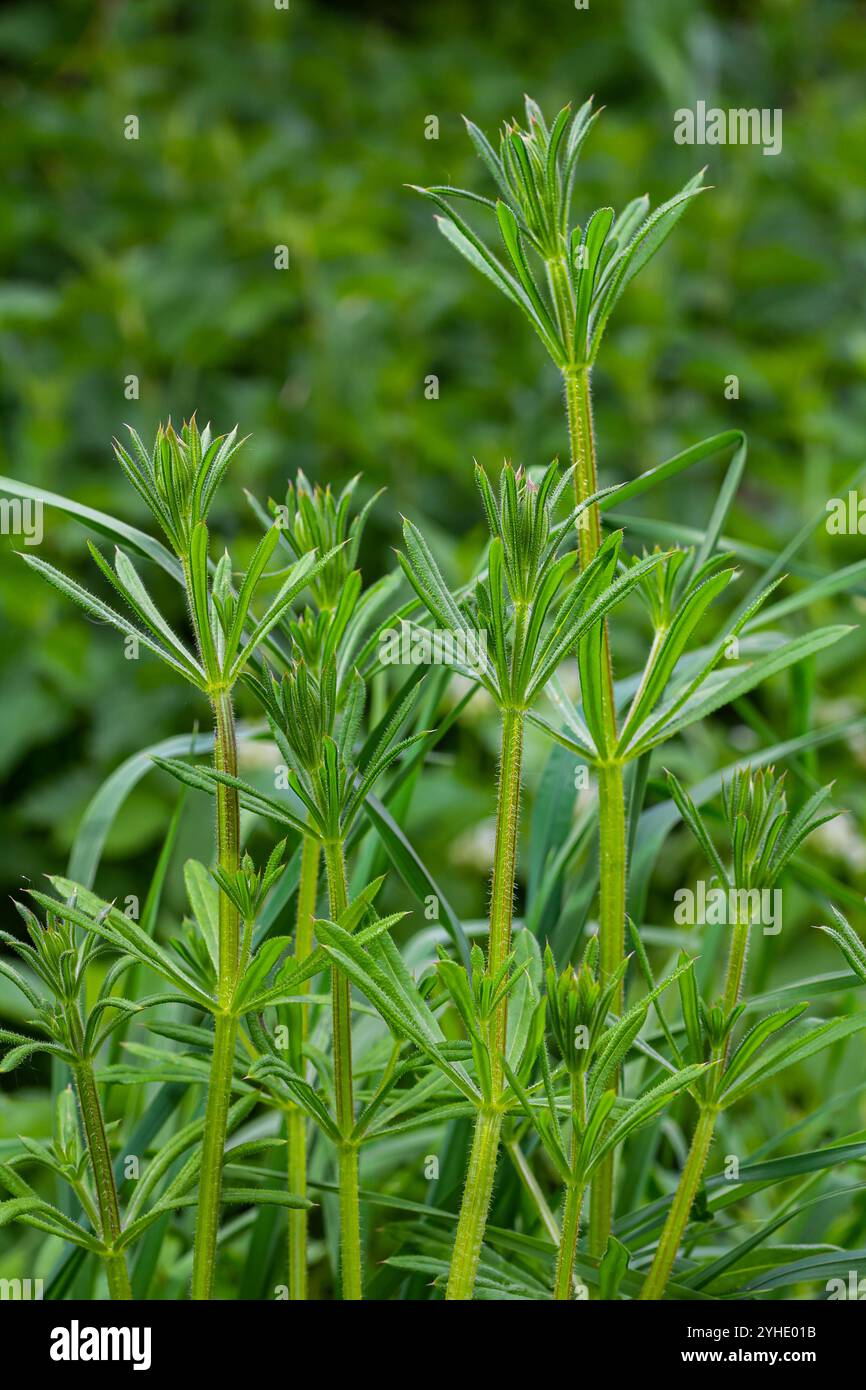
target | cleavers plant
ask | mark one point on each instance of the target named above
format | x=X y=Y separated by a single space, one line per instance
x=583 y=274
x=534 y=1062
x=178 y=480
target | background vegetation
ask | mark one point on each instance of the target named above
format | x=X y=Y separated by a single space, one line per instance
x=155 y=257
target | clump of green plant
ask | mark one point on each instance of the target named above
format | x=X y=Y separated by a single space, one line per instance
x=343 y=1027
x=331 y=780
x=324 y=639
x=592 y=1048
x=178 y=480
x=530 y=621
x=762 y=840
x=581 y=272
x=77 y=933
x=73 y=1034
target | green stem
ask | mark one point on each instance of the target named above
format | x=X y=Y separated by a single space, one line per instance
x=581 y=443
x=475 y=1205
x=341 y=999
x=488 y=1124
x=228 y=843
x=736 y=965
x=103 y=1177
x=213 y=1147
x=581 y=437
x=296 y=1151
x=341 y=1010
x=563 y=1284
x=308 y=889
x=296 y=1126
x=611 y=936
x=225 y=1022
x=612 y=860
x=504 y=872
x=678 y=1216
x=563 y=296
x=119 y=1287
x=350 y=1223
x=612 y=872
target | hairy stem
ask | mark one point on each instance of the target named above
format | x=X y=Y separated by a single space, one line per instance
x=612 y=861
x=563 y=1285
x=341 y=1009
x=581 y=442
x=488 y=1124
x=103 y=1177
x=581 y=436
x=225 y=1023
x=504 y=872
x=611 y=935
x=350 y=1224
x=228 y=843
x=678 y=1216
x=564 y=1277
x=213 y=1148
x=612 y=871
x=296 y=1126
x=475 y=1205
x=562 y=294
x=736 y=970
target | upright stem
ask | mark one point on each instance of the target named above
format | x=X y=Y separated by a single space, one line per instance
x=475 y=1205
x=225 y=1022
x=611 y=937
x=480 y=1174
x=213 y=1149
x=677 y=1219
x=612 y=871
x=612 y=860
x=504 y=872
x=228 y=842
x=103 y=1177
x=736 y=965
x=563 y=1281
x=350 y=1223
x=581 y=440
x=296 y=1127
x=678 y=1216
x=341 y=1009
x=581 y=435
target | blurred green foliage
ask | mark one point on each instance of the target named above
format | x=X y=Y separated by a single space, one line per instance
x=260 y=128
